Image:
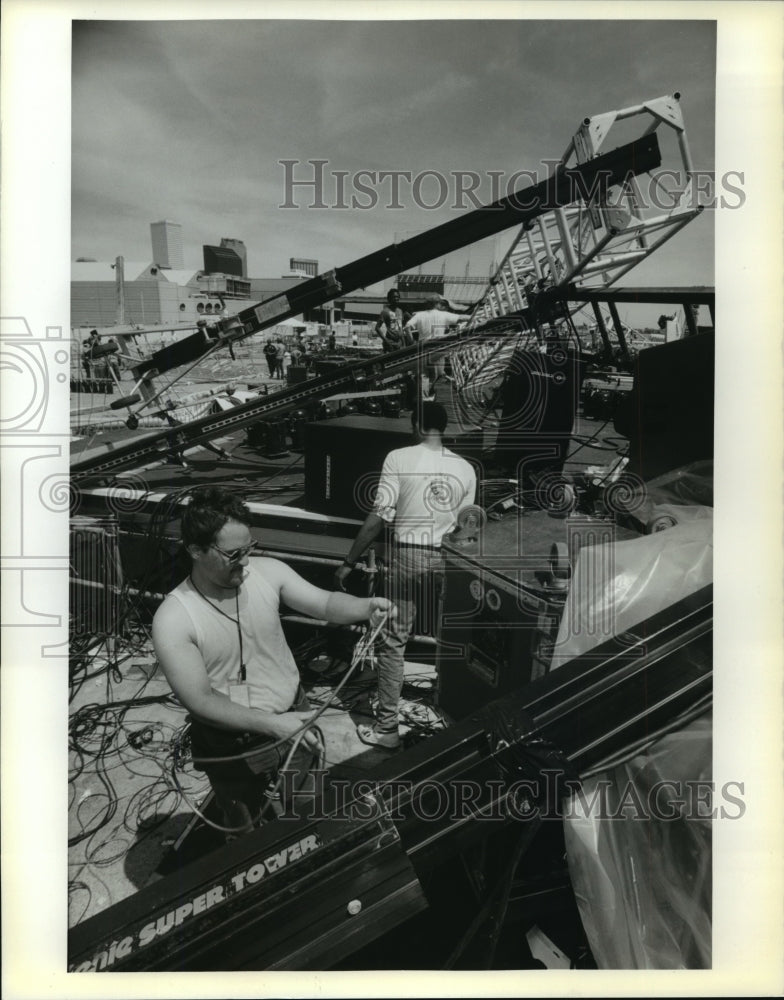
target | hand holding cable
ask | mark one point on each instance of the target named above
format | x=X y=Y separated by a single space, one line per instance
x=381 y=610
x=295 y=724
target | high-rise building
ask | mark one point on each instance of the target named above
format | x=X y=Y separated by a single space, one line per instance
x=304 y=265
x=222 y=260
x=167 y=244
x=239 y=248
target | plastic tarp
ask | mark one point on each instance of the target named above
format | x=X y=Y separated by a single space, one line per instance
x=638 y=843
x=687 y=485
x=617 y=585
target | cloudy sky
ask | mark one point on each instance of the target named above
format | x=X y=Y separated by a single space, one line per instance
x=189 y=121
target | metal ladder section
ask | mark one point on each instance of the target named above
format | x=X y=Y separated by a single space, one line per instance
x=592 y=244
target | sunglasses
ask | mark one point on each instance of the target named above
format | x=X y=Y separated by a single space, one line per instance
x=236 y=555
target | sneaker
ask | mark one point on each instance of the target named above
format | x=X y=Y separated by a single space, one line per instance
x=376 y=738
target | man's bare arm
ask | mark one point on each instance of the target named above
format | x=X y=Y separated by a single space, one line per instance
x=327 y=605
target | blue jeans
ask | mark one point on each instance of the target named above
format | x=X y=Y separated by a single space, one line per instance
x=415 y=577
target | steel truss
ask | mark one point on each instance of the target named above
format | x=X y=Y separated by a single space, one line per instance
x=594 y=243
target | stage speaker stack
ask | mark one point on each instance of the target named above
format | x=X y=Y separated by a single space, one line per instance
x=344 y=456
x=343 y=460
x=503 y=601
x=539 y=399
x=325 y=366
x=668 y=415
x=296 y=374
x=99 y=386
x=270 y=437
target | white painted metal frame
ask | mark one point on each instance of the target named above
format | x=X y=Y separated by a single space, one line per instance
x=593 y=245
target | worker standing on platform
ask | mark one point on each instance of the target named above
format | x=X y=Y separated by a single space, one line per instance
x=88 y=355
x=271 y=354
x=421 y=491
x=431 y=324
x=391 y=321
x=220 y=644
x=280 y=353
x=112 y=361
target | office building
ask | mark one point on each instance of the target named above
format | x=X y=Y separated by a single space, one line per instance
x=222 y=260
x=227 y=243
x=167 y=244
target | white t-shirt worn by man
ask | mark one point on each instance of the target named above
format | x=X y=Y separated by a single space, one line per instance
x=432 y=323
x=421 y=491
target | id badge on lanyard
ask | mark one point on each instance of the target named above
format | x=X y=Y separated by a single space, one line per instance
x=239 y=693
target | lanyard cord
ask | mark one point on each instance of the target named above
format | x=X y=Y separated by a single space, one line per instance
x=361 y=652
x=243 y=672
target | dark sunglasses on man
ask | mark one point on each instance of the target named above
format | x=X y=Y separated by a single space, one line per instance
x=236 y=555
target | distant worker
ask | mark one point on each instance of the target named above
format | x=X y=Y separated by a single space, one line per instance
x=280 y=352
x=391 y=322
x=221 y=647
x=421 y=491
x=431 y=324
x=88 y=352
x=113 y=359
x=668 y=327
x=271 y=354
x=331 y=341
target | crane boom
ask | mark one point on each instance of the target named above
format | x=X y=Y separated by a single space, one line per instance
x=564 y=187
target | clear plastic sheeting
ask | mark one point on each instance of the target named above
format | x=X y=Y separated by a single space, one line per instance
x=638 y=843
x=616 y=586
x=675 y=497
x=689 y=485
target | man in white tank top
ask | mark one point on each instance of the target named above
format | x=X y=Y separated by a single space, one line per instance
x=220 y=644
x=421 y=491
